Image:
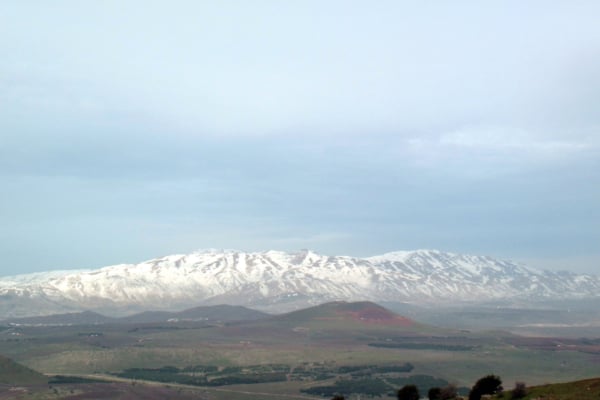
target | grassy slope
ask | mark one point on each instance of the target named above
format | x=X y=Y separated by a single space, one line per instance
x=13 y=373
x=588 y=389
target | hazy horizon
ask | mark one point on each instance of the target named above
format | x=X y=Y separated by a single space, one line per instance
x=135 y=130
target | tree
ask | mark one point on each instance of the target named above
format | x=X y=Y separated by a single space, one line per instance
x=338 y=397
x=519 y=391
x=408 y=392
x=435 y=393
x=490 y=384
x=449 y=392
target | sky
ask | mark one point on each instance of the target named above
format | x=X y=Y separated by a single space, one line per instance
x=133 y=130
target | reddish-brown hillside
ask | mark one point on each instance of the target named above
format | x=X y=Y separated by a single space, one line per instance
x=363 y=312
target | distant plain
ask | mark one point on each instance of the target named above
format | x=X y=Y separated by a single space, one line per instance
x=331 y=336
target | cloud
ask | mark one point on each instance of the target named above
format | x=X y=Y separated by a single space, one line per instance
x=280 y=70
x=346 y=126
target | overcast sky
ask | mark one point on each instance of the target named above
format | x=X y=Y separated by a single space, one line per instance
x=136 y=129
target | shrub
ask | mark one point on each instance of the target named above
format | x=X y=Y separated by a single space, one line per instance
x=490 y=384
x=435 y=393
x=449 y=392
x=408 y=392
x=519 y=391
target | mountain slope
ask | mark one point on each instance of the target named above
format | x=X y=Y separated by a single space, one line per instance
x=12 y=373
x=223 y=313
x=361 y=313
x=76 y=318
x=279 y=281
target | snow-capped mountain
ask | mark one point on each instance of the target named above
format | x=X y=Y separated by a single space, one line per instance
x=280 y=281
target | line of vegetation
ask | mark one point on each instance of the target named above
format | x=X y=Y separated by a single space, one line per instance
x=378 y=386
x=366 y=386
x=376 y=369
x=424 y=383
x=165 y=375
x=364 y=376
x=423 y=346
x=65 y=379
x=209 y=375
x=248 y=379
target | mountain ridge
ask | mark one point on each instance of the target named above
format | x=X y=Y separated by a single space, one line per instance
x=280 y=281
x=216 y=313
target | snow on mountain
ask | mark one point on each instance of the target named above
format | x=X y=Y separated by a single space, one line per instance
x=36 y=277
x=279 y=281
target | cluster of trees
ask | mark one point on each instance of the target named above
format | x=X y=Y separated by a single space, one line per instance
x=372 y=369
x=229 y=376
x=365 y=381
x=423 y=346
x=488 y=385
x=444 y=393
x=367 y=386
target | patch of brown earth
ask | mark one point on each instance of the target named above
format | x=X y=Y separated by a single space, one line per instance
x=376 y=316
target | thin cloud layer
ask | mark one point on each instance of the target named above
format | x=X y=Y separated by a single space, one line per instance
x=135 y=129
